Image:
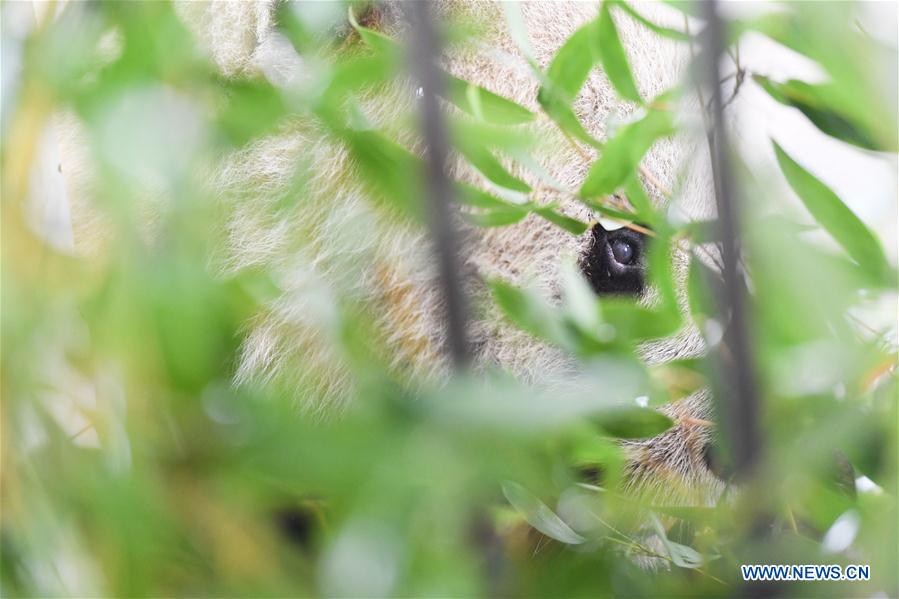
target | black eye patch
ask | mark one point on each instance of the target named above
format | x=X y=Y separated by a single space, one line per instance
x=614 y=262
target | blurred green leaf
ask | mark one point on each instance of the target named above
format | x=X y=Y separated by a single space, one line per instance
x=293 y=28
x=812 y=101
x=661 y=271
x=538 y=515
x=566 y=75
x=472 y=99
x=632 y=422
x=526 y=310
x=663 y=31
x=352 y=75
x=691 y=8
x=253 y=108
x=622 y=154
x=574 y=60
x=560 y=111
x=391 y=169
x=572 y=225
x=482 y=159
x=497 y=217
x=602 y=389
x=377 y=40
x=703 y=287
x=680 y=378
x=646 y=212
x=613 y=57
x=854 y=62
x=833 y=215
x=468 y=195
x=681 y=555
x=485 y=105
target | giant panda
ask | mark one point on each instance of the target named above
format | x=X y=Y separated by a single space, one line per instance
x=342 y=243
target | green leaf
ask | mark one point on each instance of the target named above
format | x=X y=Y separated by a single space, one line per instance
x=661 y=270
x=506 y=139
x=702 y=286
x=834 y=39
x=708 y=231
x=637 y=323
x=702 y=231
x=293 y=28
x=572 y=225
x=473 y=99
x=832 y=214
x=813 y=102
x=682 y=555
x=499 y=212
x=468 y=195
x=579 y=300
x=632 y=422
x=646 y=212
x=560 y=111
x=253 y=108
x=680 y=378
x=690 y=8
x=498 y=217
x=377 y=40
x=354 y=74
x=484 y=104
x=391 y=169
x=538 y=515
x=622 y=154
x=482 y=159
x=573 y=61
x=663 y=31
x=566 y=75
x=614 y=59
x=526 y=310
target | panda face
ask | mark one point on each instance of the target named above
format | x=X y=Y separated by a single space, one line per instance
x=614 y=262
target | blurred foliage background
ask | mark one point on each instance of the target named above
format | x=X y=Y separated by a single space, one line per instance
x=177 y=482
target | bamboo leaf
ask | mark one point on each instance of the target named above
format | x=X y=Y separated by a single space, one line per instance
x=560 y=111
x=468 y=195
x=392 y=170
x=834 y=216
x=613 y=58
x=473 y=99
x=528 y=311
x=812 y=101
x=682 y=555
x=632 y=422
x=539 y=515
x=622 y=154
x=573 y=61
x=498 y=217
x=566 y=76
x=253 y=108
x=484 y=104
x=487 y=164
x=638 y=198
x=673 y=34
x=572 y=225
x=690 y=8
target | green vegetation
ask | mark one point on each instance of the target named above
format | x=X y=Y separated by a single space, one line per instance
x=202 y=487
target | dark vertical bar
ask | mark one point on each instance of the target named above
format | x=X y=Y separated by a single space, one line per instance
x=737 y=398
x=424 y=48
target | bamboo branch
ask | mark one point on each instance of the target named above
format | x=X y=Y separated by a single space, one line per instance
x=424 y=48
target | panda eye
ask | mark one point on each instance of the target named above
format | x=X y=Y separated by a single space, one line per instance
x=623 y=251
